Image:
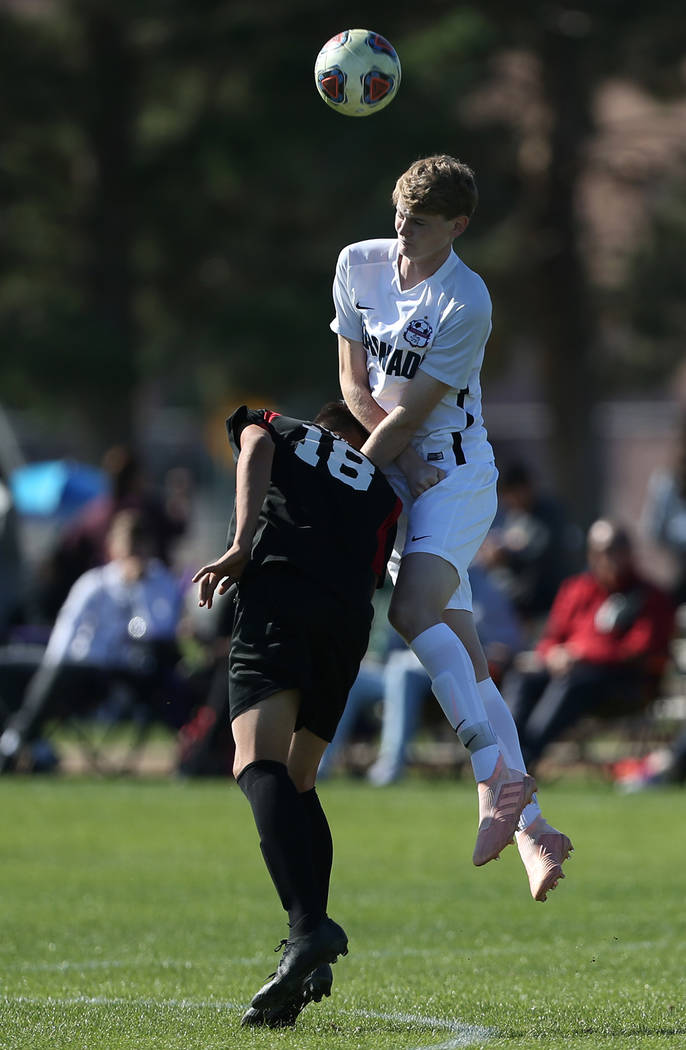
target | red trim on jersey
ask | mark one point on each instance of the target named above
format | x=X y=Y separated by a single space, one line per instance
x=382 y=546
x=268 y=418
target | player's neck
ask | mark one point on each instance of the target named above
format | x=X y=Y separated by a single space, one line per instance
x=412 y=272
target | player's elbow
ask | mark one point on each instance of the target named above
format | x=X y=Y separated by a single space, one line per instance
x=352 y=384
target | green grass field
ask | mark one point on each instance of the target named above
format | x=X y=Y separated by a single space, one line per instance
x=137 y=915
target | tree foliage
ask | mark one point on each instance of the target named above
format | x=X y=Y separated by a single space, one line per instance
x=175 y=193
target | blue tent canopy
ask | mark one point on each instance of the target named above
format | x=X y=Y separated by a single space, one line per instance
x=55 y=487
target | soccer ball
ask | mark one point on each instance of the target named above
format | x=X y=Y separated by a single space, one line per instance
x=357 y=72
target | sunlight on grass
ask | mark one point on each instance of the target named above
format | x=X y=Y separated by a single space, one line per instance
x=138 y=915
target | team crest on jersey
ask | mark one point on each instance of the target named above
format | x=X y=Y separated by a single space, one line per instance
x=418 y=332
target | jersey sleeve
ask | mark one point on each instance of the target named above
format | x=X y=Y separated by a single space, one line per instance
x=244 y=417
x=461 y=337
x=347 y=321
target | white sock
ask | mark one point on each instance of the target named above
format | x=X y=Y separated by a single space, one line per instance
x=447 y=662
x=504 y=727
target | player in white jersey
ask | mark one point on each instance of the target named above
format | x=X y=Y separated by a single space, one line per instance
x=412 y=323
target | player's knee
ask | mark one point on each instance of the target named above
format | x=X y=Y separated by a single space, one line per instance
x=407 y=618
x=303 y=774
x=240 y=761
x=303 y=781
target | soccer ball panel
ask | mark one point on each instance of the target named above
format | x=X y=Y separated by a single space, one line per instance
x=357 y=72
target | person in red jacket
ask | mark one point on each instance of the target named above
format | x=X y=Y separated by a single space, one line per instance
x=603 y=649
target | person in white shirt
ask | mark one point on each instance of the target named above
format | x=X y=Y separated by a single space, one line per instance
x=118 y=623
x=412 y=322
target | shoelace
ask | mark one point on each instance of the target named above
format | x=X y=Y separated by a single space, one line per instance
x=282 y=944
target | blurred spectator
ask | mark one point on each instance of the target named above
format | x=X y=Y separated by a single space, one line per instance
x=83 y=543
x=666 y=765
x=664 y=514
x=205 y=742
x=11 y=575
x=117 y=626
x=402 y=685
x=367 y=691
x=603 y=649
x=532 y=545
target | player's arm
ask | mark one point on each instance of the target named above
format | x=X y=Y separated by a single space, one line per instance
x=394 y=433
x=354 y=380
x=253 y=474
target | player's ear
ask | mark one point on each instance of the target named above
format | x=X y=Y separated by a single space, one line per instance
x=460 y=224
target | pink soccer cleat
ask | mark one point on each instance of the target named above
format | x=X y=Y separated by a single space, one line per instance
x=543 y=850
x=501 y=800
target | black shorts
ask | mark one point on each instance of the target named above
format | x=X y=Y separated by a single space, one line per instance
x=289 y=633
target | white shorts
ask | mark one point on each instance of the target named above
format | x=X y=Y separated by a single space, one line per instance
x=450 y=520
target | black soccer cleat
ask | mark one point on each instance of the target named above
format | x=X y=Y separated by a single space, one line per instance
x=314 y=988
x=301 y=956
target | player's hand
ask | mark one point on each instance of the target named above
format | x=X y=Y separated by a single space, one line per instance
x=219 y=575
x=423 y=476
x=420 y=474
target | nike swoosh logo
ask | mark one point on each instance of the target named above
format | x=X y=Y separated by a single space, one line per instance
x=359 y=306
x=426 y=537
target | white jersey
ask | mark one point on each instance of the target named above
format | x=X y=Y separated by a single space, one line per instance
x=440 y=326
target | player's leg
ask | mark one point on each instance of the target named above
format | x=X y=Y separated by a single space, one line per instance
x=268 y=669
x=423 y=589
x=542 y=848
x=461 y=621
x=299 y=648
x=305 y=754
x=263 y=736
x=338 y=640
x=303 y=761
x=445 y=527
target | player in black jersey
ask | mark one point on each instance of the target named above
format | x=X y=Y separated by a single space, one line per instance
x=305 y=499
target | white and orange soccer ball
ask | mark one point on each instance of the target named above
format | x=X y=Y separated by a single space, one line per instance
x=357 y=72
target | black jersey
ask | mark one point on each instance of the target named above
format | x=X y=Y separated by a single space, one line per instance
x=329 y=512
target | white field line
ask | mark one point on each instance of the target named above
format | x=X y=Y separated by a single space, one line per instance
x=460 y=1035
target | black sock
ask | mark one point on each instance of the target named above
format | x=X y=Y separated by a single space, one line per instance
x=285 y=841
x=322 y=843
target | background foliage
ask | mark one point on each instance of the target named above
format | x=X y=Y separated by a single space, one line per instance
x=175 y=194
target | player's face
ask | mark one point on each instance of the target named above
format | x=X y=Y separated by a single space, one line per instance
x=424 y=237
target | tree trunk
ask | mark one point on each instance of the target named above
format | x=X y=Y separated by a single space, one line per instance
x=563 y=311
x=110 y=226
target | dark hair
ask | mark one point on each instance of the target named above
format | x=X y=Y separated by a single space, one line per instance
x=336 y=416
x=438 y=185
